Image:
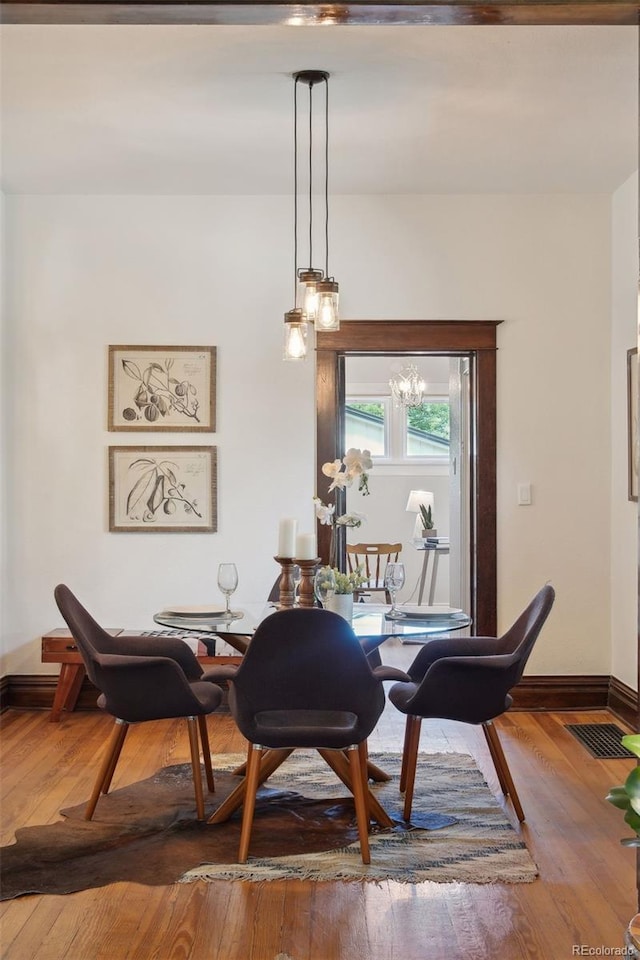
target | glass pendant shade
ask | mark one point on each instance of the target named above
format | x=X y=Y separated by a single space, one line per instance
x=295 y=335
x=328 y=317
x=408 y=388
x=307 y=292
x=316 y=294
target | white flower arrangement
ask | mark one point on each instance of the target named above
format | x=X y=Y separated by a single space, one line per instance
x=345 y=583
x=355 y=463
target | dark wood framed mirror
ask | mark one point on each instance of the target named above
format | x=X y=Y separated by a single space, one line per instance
x=475 y=339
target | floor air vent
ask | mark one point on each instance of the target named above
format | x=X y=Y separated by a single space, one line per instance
x=602 y=740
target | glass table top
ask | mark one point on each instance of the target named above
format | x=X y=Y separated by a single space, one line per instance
x=370 y=622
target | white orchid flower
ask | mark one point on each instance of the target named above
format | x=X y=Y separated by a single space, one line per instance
x=357 y=461
x=324 y=513
x=340 y=481
x=332 y=469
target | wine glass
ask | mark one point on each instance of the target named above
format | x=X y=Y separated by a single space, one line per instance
x=394 y=581
x=324 y=585
x=227 y=582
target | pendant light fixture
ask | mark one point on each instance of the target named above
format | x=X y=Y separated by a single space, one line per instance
x=328 y=317
x=316 y=293
x=408 y=388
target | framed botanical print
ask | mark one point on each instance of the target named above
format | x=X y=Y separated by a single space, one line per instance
x=632 y=421
x=162 y=388
x=163 y=489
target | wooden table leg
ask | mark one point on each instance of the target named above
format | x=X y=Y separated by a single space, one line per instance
x=67 y=689
x=338 y=762
x=271 y=760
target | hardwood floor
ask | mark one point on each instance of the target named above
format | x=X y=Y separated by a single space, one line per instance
x=585 y=894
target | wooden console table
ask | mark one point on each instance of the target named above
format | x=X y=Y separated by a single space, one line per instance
x=58 y=646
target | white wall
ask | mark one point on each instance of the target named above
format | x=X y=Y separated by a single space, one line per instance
x=85 y=272
x=624 y=512
x=3 y=413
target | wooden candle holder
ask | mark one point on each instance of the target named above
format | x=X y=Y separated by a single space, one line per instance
x=307 y=573
x=287 y=583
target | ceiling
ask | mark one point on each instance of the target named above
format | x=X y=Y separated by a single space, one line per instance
x=208 y=110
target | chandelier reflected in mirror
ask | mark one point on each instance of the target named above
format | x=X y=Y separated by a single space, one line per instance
x=316 y=293
x=408 y=387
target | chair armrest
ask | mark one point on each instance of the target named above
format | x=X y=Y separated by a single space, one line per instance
x=385 y=672
x=441 y=648
x=471 y=689
x=170 y=647
x=144 y=687
x=221 y=673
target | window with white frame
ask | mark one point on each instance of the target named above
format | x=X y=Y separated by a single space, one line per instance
x=415 y=434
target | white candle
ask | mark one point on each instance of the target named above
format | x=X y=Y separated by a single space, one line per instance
x=287 y=537
x=306 y=546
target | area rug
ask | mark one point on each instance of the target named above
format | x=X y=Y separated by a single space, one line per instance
x=147 y=833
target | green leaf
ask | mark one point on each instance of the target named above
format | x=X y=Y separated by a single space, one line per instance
x=632 y=783
x=619 y=797
x=632 y=818
x=632 y=742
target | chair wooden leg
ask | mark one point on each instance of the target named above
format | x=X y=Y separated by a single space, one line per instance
x=374 y=772
x=206 y=752
x=412 y=760
x=254 y=757
x=357 y=762
x=502 y=767
x=496 y=760
x=115 y=756
x=195 y=766
x=405 y=754
x=339 y=763
x=107 y=766
x=363 y=757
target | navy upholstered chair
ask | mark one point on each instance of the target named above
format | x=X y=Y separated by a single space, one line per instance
x=139 y=679
x=468 y=679
x=305 y=682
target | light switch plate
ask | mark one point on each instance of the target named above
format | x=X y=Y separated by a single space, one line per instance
x=524 y=494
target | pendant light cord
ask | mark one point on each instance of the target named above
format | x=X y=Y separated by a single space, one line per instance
x=295 y=190
x=310 y=176
x=326 y=179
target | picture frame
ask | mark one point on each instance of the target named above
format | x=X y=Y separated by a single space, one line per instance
x=162 y=388
x=632 y=422
x=163 y=489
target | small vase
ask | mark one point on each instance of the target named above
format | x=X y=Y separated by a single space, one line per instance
x=429 y=533
x=341 y=603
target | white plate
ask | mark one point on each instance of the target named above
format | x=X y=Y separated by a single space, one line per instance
x=201 y=611
x=424 y=612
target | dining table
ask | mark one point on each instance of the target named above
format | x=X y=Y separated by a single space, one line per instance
x=372 y=623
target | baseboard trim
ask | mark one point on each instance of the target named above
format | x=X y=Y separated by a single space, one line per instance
x=623 y=701
x=561 y=693
x=36 y=692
